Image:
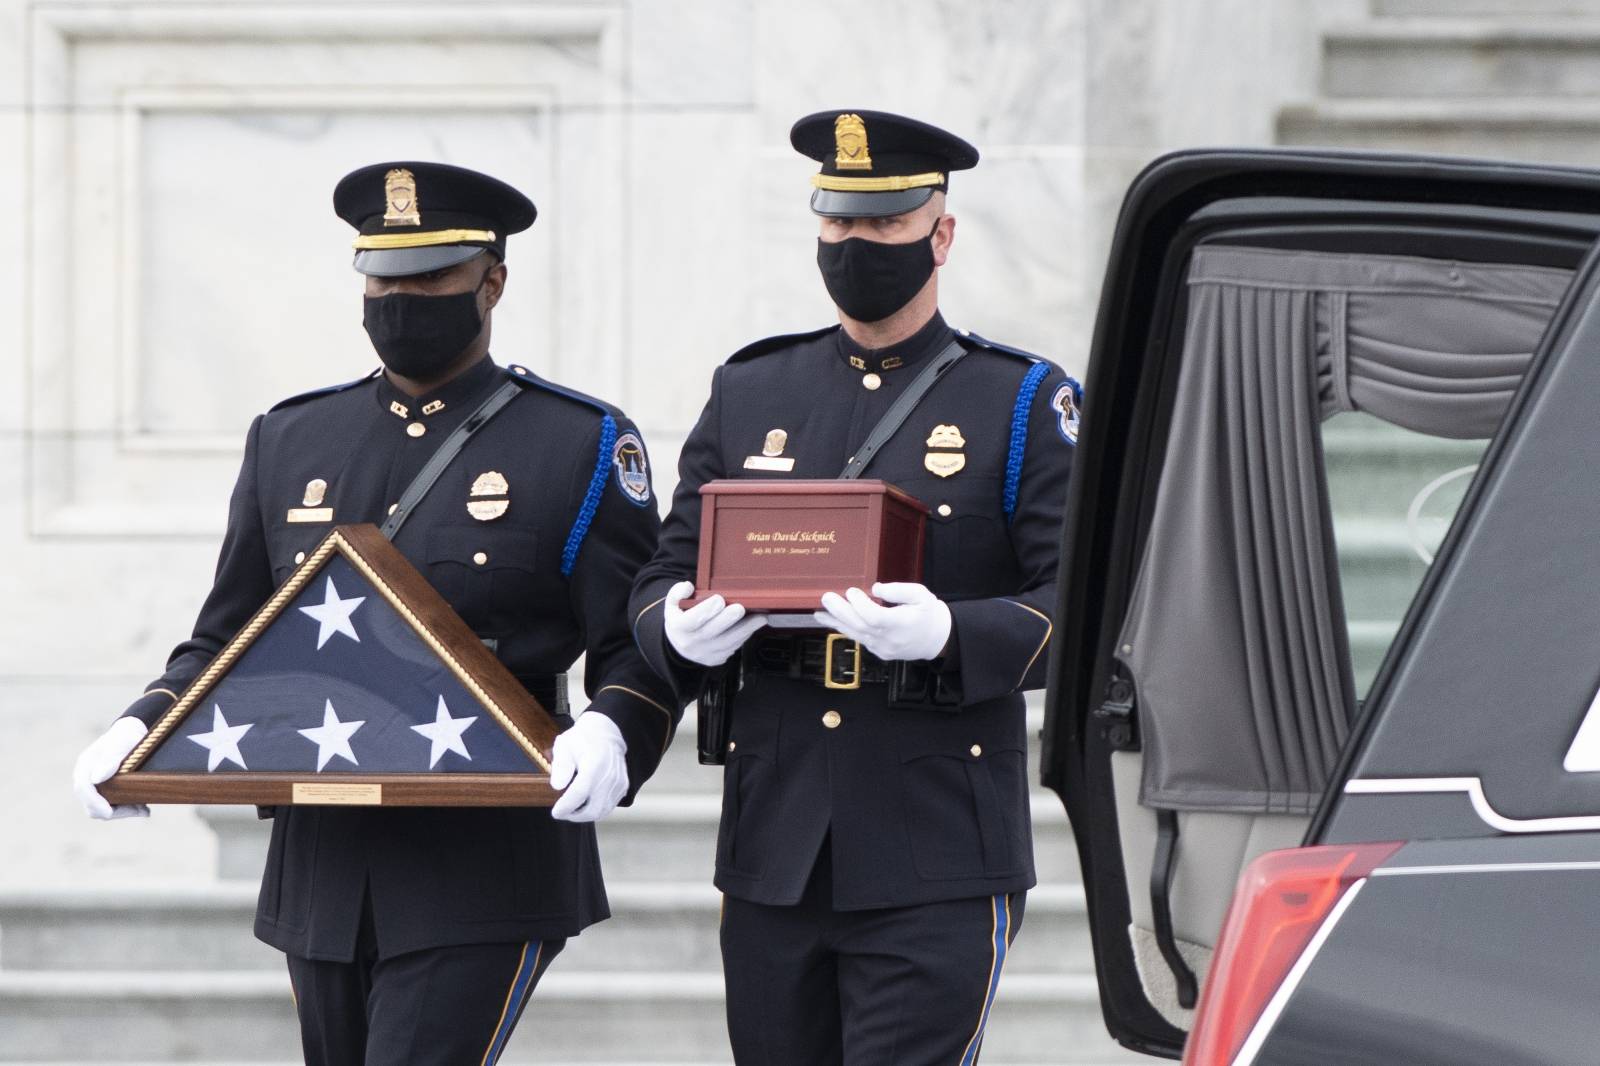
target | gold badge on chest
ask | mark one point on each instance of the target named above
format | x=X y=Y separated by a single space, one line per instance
x=944 y=455
x=772 y=457
x=312 y=509
x=490 y=496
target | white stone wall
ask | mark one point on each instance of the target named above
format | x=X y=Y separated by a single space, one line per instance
x=170 y=264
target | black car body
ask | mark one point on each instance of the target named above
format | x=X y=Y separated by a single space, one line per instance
x=1417 y=858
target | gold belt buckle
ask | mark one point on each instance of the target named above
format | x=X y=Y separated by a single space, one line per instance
x=827 y=664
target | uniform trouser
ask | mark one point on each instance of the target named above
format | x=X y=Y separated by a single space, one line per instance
x=449 y=1006
x=908 y=986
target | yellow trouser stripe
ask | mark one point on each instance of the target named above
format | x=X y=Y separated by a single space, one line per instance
x=517 y=992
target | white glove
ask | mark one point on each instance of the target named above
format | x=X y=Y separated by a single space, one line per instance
x=918 y=628
x=99 y=761
x=709 y=632
x=588 y=762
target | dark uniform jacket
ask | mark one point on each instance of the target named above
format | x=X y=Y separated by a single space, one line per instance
x=921 y=802
x=545 y=582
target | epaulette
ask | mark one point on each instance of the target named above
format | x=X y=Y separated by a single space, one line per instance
x=326 y=391
x=996 y=346
x=772 y=344
x=523 y=376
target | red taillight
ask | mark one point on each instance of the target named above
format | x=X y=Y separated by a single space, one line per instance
x=1282 y=900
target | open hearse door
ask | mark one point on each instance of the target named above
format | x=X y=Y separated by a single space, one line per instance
x=1324 y=492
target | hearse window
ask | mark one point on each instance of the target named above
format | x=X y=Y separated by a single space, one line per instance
x=1236 y=634
x=1331 y=407
x=1393 y=493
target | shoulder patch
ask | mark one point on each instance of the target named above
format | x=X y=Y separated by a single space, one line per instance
x=632 y=467
x=1067 y=402
x=973 y=340
x=523 y=376
x=328 y=390
x=773 y=344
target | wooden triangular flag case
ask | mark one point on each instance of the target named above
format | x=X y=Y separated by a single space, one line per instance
x=354 y=684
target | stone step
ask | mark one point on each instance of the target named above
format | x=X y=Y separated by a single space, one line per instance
x=1369 y=642
x=654 y=927
x=576 y=1016
x=1518 y=10
x=664 y=837
x=1380 y=568
x=1376 y=470
x=1523 y=130
x=1463 y=58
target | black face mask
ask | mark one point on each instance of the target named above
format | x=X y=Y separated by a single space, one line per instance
x=871 y=280
x=419 y=336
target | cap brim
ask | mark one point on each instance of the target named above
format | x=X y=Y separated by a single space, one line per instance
x=832 y=203
x=398 y=262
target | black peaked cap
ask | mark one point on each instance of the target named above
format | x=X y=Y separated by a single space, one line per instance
x=875 y=163
x=414 y=217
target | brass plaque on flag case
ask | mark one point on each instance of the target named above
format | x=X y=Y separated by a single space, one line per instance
x=318 y=792
x=277 y=718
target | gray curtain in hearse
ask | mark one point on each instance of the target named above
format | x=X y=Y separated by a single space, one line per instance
x=1235 y=637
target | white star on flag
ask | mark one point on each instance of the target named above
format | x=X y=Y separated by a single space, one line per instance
x=332 y=737
x=223 y=740
x=445 y=733
x=333 y=615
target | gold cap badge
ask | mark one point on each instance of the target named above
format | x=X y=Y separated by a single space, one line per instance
x=400 y=196
x=850 y=143
x=776 y=439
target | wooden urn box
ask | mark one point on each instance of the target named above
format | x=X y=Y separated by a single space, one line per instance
x=777 y=546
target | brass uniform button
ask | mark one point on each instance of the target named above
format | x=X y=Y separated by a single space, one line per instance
x=831 y=719
x=480 y=558
x=870 y=382
x=416 y=429
x=732 y=744
x=977 y=750
x=299 y=557
x=944 y=510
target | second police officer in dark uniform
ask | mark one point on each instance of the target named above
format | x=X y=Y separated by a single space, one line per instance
x=875 y=844
x=416 y=935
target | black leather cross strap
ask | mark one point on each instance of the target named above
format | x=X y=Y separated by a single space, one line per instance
x=448 y=450
x=901 y=409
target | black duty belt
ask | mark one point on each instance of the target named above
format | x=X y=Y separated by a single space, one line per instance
x=550 y=690
x=832 y=659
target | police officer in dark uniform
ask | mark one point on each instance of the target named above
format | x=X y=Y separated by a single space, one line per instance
x=415 y=935
x=875 y=844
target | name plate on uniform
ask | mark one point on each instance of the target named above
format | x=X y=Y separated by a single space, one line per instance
x=778 y=545
x=355 y=684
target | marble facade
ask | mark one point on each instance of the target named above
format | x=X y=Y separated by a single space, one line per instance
x=173 y=265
